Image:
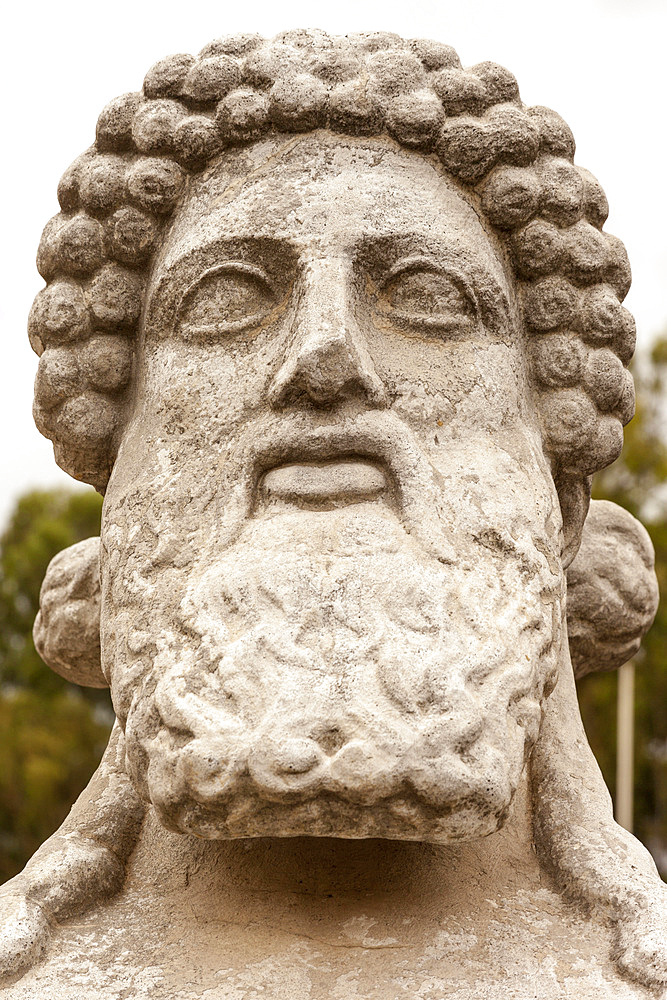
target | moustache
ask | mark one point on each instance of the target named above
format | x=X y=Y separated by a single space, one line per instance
x=415 y=488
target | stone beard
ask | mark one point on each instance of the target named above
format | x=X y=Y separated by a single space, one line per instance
x=354 y=622
x=341 y=672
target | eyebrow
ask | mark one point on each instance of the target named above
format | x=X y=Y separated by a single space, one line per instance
x=280 y=258
x=488 y=286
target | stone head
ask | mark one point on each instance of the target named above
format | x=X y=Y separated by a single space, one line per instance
x=334 y=325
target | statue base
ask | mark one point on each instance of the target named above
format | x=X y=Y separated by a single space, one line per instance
x=309 y=919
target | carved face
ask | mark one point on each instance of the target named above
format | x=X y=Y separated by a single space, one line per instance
x=332 y=591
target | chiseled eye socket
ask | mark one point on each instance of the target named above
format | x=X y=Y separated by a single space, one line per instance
x=417 y=294
x=231 y=298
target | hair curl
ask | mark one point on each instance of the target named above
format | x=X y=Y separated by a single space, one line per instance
x=117 y=197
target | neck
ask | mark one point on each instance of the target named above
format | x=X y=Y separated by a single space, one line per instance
x=332 y=918
x=268 y=875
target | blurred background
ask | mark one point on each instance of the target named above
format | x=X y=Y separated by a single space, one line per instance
x=599 y=63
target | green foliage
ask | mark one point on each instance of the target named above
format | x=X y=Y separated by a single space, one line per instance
x=53 y=733
x=638 y=481
x=43 y=523
x=51 y=744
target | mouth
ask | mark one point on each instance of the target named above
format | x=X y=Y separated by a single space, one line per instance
x=362 y=458
x=325 y=467
x=337 y=481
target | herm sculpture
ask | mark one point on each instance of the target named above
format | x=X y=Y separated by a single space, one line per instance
x=334 y=326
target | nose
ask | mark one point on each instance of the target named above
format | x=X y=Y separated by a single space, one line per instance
x=327 y=360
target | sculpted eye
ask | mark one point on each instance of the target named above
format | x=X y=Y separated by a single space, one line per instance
x=417 y=294
x=229 y=299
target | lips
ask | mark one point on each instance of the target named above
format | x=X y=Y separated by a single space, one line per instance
x=350 y=444
x=337 y=463
x=346 y=479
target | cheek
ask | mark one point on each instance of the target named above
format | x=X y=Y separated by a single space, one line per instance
x=454 y=390
x=193 y=402
x=203 y=392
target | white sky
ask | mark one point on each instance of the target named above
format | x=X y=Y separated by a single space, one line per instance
x=599 y=63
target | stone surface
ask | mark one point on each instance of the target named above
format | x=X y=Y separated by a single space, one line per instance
x=335 y=326
x=312 y=917
x=67 y=628
x=612 y=592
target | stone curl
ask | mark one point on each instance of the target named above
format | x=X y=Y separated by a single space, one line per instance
x=515 y=161
x=612 y=590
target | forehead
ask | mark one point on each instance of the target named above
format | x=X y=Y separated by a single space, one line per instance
x=329 y=193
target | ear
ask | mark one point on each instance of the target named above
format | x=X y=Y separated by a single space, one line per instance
x=612 y=590
x=67 y=628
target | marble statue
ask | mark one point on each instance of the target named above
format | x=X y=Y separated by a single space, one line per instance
x=334 y=325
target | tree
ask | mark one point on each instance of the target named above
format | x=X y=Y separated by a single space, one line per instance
x=53 y=733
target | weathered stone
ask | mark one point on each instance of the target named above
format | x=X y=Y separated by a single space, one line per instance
x=380 y=352
x=67 y=628
x=612 y=592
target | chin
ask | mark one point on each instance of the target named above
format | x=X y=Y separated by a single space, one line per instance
x=352 y=795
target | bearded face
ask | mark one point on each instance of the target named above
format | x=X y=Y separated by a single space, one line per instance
x=332 y=589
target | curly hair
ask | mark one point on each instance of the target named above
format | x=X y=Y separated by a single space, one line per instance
x=517 y=162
